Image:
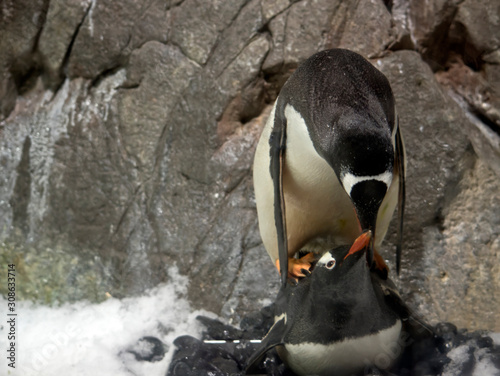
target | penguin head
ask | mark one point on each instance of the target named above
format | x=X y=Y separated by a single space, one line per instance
x=338 y=267
x=363 y=161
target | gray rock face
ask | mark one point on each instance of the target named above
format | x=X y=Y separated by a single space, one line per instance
x=20 y=22
x=127 y=133
x=468 y=251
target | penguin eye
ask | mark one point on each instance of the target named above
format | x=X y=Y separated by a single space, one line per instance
x=330 y=264
x=327 y=261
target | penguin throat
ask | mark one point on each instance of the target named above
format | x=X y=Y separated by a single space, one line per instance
x=367 y=196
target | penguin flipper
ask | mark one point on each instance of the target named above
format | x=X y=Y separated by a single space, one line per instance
x=272 y=339
x=400 y=165
x=277 y=145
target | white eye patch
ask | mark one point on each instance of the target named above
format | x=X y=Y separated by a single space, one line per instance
x=327 y=261
x=349 y=180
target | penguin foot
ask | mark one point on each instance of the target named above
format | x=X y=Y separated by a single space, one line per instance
x=306 y=272
x=298 y=268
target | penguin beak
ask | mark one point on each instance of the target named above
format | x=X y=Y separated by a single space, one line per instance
x=361 y=243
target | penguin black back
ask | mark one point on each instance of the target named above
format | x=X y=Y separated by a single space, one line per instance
x=353 y=110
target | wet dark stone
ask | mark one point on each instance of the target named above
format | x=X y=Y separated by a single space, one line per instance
x=258 y=322
x=217 y=330
x=484 y=342
x=194 y=357
x=149 y=349
x=445 y=327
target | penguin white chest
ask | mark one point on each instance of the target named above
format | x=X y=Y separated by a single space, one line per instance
x=306 y=172
x=317 y=205
x=346 y=357
x=319 y=213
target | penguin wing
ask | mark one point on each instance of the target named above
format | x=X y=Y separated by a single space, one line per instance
x=277 y=145
x=274 y=337
x=400 y=166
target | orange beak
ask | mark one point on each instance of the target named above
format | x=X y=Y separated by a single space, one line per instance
x=362 y=242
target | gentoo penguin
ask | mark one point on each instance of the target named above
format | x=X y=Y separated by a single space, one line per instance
x=330 y=161
x=339 y=319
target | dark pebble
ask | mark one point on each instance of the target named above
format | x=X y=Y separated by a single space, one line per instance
x=483 y=342
x=217 y=330
x=148 y=349
x=194 y=357
x=258 y=323
x=445 y=327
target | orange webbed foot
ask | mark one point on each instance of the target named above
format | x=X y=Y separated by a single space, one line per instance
x=298 y=268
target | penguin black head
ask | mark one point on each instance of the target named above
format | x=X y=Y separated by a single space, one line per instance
x=363 y=158
x=338 y=279
x=336 y=267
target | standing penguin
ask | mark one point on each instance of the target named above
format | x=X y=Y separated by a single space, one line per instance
x=340 y=319
x=329 y=166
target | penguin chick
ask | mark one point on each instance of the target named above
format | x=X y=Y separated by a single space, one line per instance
x=330 y=161
x=339 y=319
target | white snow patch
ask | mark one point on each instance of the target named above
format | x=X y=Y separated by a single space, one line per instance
x=484 y=365
x=457 y=355
x=91 y=339
x=495 y=337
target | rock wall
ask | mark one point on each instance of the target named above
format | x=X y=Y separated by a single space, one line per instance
x=128 y=130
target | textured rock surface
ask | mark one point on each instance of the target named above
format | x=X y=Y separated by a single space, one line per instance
x=127 y=132
x=468 y=251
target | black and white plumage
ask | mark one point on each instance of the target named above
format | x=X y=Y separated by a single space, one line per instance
x=330 y=161
x=339 y=319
